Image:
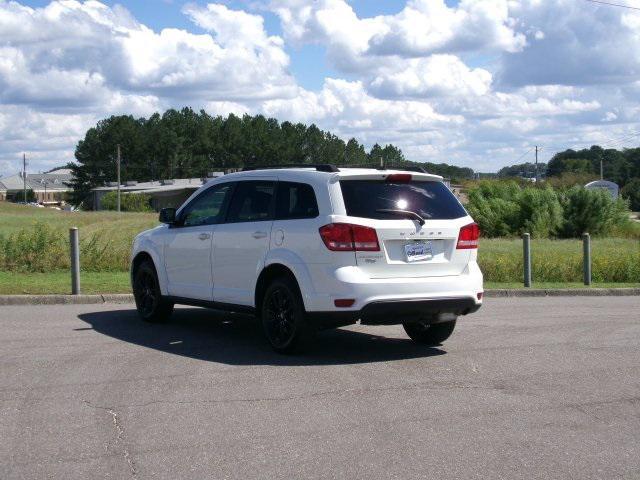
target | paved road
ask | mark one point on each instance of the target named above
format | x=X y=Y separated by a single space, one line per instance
x=526 y=388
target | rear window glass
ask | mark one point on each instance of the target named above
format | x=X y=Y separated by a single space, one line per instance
x=431 y=200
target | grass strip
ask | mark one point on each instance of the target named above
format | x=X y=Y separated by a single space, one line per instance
x=118 y=282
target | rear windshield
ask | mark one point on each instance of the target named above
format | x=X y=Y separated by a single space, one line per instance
x=431 y=200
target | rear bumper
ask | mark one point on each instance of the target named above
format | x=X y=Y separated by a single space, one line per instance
x=432 y=310
x=330 y=284
x=428 y=310
x=391 y=301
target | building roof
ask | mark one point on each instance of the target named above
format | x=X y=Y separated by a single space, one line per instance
x=162 y=185
x=38 y=181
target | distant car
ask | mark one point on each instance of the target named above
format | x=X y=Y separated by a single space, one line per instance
x=315 y=247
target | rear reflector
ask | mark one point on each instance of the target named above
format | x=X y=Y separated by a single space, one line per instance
x=345 y=237
x=344 y=302
x=399 y=178
x=469 y=236
x=480 y=295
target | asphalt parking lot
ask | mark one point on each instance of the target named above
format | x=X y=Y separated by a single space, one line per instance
x=526 y=388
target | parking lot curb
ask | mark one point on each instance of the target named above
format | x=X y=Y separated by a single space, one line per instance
x=562 y=292
x=497 y=293
x=65 y=299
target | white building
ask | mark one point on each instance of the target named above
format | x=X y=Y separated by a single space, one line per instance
x=49 y=188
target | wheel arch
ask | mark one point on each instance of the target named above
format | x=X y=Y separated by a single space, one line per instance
x=140 y=257
x=269 y=273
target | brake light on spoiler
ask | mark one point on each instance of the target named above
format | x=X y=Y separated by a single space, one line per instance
x=469 y=237
x=399 y=178
x=346 y=237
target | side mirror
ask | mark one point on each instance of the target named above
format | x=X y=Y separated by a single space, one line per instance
x=168 y=215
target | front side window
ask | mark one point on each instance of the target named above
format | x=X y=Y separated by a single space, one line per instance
x=295 y=200
x=252 y=202
x=206 y=208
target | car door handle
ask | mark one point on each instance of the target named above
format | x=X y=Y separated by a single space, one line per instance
x=204 y=236
x=259 y=234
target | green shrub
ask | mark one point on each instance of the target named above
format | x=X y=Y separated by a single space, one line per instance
x=41 y=249
x=129 y=202
x=19 y=196
x=508 y=209
x=592 y=211
x=540 y=212
x=495 y=216
x=631 y=191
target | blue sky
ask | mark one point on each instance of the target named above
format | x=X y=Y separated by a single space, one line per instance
x=476 y=83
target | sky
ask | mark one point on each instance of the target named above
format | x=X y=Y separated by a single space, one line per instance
x=474 y=83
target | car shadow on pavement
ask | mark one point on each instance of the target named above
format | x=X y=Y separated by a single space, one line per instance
x=237 y=339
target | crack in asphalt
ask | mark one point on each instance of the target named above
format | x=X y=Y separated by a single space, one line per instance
x=417 y=386
x=119 y=436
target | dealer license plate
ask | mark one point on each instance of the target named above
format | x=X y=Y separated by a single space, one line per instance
x=417 y=251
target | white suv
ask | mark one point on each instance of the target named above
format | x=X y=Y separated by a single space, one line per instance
x=308 y=248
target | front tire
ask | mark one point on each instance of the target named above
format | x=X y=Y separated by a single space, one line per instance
x=283 y=317
x=427 y=334
x=151 y=306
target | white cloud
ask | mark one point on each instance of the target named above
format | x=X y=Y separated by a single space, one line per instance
x=72 y=63
x=583 y=44
x=47 y=137
x=346 y=107
x=476 y=84
x=89 y=48
x=430 y=26
x=437 y=75
x=422 y=28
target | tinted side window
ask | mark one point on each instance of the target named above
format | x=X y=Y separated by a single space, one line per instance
x=431 y=200
x=295 y=200
x=206 y=208
x=252 y=202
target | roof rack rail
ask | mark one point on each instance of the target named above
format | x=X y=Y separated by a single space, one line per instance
x=320 y=167
x=408 y=168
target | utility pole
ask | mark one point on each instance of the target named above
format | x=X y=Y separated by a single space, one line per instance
x=601 y=171
x=24 y=176
x=118 y=170
x=536 y=164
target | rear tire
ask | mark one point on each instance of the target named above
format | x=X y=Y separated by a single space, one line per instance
x=151 y=305
x=284 y=319
x=426 y=334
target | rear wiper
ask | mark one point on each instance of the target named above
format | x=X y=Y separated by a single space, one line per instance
x=404 y=213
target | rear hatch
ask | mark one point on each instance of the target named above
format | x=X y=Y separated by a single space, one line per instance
x=417 y=222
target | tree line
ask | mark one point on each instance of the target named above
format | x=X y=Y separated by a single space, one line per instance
x=185 y=143
x=619 y=166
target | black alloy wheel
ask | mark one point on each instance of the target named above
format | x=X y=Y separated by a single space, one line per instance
x=151 y=306
x=283 y=316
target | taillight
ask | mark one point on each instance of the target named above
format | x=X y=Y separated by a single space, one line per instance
x=469 y=236
x=345 y=237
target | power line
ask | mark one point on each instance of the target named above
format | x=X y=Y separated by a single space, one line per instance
x=624 y=137
x=520 y=157
x=621 y=141
x=614 y=4
x=602 y=143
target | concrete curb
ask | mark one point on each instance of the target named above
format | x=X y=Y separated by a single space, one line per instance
x=562 y=292
x=65 y=299
x=497 y=293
